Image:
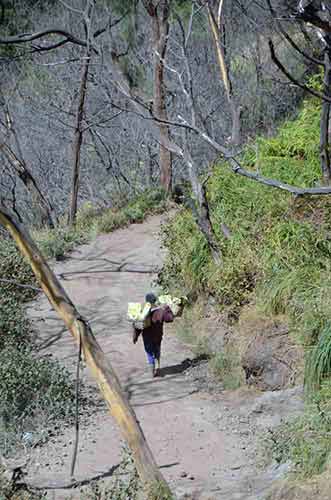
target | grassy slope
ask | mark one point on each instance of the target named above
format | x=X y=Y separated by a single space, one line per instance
x=278 y=255
x=278 y=261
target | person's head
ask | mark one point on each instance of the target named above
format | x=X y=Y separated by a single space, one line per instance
x=151 y=298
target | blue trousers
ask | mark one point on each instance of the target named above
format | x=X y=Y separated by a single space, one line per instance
x=153 y=350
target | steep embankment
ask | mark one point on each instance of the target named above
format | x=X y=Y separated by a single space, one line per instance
x=273 y=286
x=204 y=442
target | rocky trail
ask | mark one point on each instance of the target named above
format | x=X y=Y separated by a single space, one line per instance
x=204 y=441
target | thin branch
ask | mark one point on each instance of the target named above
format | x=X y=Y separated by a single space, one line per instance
x=59 y=63
x=282 y=68
x=290 y=40
x=189 y=28
x=29 y=37
x=219 y=15
x=39 y=48
x=105 y=120
x=20 y=285
x=69 y=7
x=316 y=21
x=298 y=191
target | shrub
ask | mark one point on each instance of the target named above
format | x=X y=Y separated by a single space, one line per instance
x=227 y=367
x=15 y=268
x=56 y=243
x=14 y=327
x=185 y=266
x=125 y=483
x=305 y=440
x=30 y=385
x=134 y=214
x=110 y=221
x=86 y=216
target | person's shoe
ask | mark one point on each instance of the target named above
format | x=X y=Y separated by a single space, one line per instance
x=153 y=370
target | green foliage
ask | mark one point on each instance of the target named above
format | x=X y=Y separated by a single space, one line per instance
x=14 y=267
x=318 y=365
x=305 y=441
x=110 y=220
x=30 y=385
x=279 y=253
x=226 y=366
x=14 y=327
x=188 y=330
x=159 y=491
x=187 y=258
x=124 y=485
x=56 y=243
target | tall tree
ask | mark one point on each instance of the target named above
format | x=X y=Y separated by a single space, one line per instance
x=218 y=31
x=78 y=134
x=159 y=12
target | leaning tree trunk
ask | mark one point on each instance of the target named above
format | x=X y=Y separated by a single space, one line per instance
x=95 y=358
x=325 y=120
x=78 y=138
x=201 y=216
x=160 y=21
x=38 y=199
x=200 y=207
x=216 y=29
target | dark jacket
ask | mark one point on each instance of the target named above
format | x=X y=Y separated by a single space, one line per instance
x=154 y=332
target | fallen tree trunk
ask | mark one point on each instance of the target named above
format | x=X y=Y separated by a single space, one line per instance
x=95 y=358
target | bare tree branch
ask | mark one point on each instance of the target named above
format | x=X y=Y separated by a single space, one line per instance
x=290 y=39
x=291 y=78
x=20 y=285
x=298 y=191
x=29 y=37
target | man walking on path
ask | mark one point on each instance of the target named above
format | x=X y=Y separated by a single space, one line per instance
x=153 y=333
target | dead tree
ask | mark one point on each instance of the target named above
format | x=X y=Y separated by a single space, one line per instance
x=325 y=117
x=19 y=166
x=217 y=28
x=95 y=358
x=315 y=14
x=159 y=12
x=88 y=43
x=78 y=134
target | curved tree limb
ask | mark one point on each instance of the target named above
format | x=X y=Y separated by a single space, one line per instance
x=291 y=78
x=298 y=191
x=30 y=37
x=290 y=39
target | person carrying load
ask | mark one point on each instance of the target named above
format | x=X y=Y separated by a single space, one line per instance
x=149 y=324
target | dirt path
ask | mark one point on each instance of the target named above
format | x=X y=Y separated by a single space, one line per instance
x=204 y=443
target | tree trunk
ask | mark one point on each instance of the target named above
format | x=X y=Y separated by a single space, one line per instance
x=78 y=138
x=38 y=199
x=160 y=22
x=95 y=358
x=325 y=121
x=225 y=77
x=200 y=208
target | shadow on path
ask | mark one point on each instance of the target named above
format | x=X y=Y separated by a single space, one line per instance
x=75 y=484
x=183 y=366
